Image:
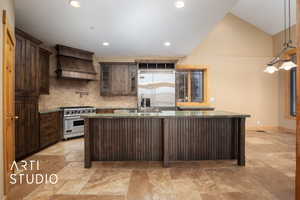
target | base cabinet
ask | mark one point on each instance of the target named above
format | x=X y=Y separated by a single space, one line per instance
x=27 y=133
x=50 y=128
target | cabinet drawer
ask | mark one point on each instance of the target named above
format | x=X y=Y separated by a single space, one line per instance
x=45 y=130
x=48 y=138
x=49 y=118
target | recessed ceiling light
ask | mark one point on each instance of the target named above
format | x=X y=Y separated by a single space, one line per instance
x=167 y=44
x=105 y=44
x=75 y=4
x=179 y=4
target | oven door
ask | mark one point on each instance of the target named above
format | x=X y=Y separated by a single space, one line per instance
x=74 y=125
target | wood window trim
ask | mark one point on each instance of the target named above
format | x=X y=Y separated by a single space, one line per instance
x=287 y=88
x=205 y=69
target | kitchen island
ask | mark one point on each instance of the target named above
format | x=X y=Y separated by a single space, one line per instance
x=165 y=136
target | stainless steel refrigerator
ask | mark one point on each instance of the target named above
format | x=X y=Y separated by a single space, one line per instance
x=156 y=89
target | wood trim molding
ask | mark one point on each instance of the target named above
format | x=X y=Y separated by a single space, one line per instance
x=263 y=128
x=290 y=53
x=286 y=130
x=8 y=34
x=4 y=17
x=192 y=67
x=279 y=129
x=34 y=40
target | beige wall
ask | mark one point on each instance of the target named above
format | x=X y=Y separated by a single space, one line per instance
x=285 y=120
x=9 y=7
x=236 y=53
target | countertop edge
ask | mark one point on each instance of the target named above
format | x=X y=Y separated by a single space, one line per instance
x=49 y=111
x=176 y=115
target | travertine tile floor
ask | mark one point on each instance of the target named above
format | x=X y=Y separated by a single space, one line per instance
x=269 y=174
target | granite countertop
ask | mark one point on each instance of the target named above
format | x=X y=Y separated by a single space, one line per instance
x=169 y=114
x=49 y=111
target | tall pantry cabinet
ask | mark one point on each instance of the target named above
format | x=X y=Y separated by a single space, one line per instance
x=26 y=94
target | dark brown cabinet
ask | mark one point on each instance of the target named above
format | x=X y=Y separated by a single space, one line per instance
x=118 y=79
x=26 y=94
x=44 y=62
x=27 y=134
x=27 y=65
x=105 y=111
x=50 y=128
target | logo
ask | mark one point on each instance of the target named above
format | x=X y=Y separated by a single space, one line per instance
x=21 y=177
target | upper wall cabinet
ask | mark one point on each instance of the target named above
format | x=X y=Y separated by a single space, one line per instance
x=44 y=71
x=118 y=79
x=27 y=64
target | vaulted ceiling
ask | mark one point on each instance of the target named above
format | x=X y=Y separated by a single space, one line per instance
x=139 y=27
x=268 y=15
x=132 y=27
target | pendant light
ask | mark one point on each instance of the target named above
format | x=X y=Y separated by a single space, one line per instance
x=287 y=63
x=271 y=69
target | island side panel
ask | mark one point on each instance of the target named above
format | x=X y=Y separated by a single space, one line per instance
x=166 y=139
x=241 y=142
x=127 y=139
x=87 y=144
x=200 y=139
x=234 y=138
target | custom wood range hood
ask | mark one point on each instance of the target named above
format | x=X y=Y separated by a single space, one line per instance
x=74 y=63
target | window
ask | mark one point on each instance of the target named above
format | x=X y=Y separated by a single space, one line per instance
x=190 y=85
x=293 y=88
x=197 y=93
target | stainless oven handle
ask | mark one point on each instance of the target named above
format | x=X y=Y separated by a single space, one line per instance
x=75 y=117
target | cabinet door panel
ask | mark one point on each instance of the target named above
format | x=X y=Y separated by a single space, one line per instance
x=20 y=129
x=105 y=79
x=31 y=125
x=44 y=59
x=120 y=80
x=32 y=68
x=132 y=88
x=20 y=66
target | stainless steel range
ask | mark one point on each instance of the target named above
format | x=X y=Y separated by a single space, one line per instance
x=73 y=125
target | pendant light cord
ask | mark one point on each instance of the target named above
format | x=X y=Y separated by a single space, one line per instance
x=285 y=31
x=290 y=39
